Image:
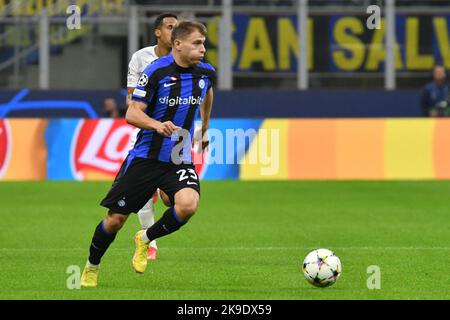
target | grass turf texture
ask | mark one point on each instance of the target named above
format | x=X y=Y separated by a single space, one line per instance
x=247 y=241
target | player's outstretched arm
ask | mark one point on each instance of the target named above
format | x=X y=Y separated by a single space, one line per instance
x=136 y=116
x=134 y=72
x=129 y=96
x=205 y=110
x=205 y=113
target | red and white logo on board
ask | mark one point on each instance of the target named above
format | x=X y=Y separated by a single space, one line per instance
x=5 y=146
x=101 y=146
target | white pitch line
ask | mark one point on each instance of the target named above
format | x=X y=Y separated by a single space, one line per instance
x=229 y=248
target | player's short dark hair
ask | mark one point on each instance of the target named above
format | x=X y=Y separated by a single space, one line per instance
x=161 y=17
x=185 y=27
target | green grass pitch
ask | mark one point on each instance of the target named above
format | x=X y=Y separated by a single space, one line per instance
x=247 y=241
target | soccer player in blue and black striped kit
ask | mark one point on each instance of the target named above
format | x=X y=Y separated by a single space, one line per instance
x=171 y=93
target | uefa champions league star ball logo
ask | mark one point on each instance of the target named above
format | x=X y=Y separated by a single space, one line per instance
x=201 y=83
x=143 y=80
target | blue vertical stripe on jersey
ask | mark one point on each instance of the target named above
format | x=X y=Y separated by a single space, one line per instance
x=160 y=108
x=178 y=119
x=174 y=91
x=143 y=144
x=190 y=117
x=141 y=148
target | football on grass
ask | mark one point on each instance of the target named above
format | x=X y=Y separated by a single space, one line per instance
x=321 y=267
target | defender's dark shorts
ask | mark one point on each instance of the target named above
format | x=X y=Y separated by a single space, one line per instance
x=138 y=179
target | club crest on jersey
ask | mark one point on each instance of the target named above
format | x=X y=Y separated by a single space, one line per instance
x=201 y=83
x=143 y=80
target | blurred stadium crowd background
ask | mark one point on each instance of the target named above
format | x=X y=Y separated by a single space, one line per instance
x=342 y=52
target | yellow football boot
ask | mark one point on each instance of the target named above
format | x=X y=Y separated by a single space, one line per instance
x=89 y=277
x=140 y=254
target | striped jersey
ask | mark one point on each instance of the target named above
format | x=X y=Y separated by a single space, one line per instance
x=172 y=93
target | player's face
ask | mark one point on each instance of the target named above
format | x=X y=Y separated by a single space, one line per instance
x=164 y=32
x=439 y=73
x=192 y=48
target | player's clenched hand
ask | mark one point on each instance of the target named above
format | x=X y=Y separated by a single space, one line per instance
x=166 y=128
x=199 y=138
x=205 y=141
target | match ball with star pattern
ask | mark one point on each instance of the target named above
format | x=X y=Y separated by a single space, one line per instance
x=321 y=268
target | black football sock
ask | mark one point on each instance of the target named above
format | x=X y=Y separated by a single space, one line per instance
x=100 y=243
x=167 y=224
